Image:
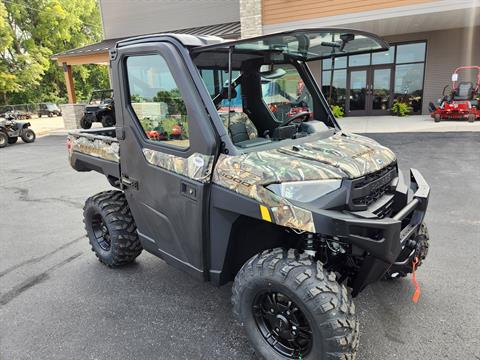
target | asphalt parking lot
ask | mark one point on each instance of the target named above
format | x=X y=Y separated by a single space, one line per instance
x=58 y=302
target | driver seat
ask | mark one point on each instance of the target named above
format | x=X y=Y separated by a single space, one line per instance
x=242 y=118
x=464 y=91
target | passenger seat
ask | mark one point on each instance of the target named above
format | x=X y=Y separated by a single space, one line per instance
x=240 y=117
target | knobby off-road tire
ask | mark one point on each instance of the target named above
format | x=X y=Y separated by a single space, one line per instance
x=315 y=294
x=28 y=136
x=3 y=139
x=85 y=123
x=108 y=121
x=111 y=229
x=421 y=252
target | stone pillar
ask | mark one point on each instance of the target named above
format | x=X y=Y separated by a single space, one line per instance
x=72 y=113
x=251 y=18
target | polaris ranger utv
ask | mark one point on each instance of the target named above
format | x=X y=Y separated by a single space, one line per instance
x=300 y=215
x=100 y=108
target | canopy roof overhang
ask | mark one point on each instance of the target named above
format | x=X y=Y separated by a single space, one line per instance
x=98 y=53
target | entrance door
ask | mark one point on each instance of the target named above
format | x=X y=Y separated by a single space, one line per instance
x=369 y=90
x=166 y=154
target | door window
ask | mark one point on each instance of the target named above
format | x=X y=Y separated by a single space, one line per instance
x=156 y=100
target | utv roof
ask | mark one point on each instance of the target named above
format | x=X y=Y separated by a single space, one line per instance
x=309 y=44
x=185 y=39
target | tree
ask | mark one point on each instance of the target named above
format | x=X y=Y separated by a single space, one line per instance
x=31 y=32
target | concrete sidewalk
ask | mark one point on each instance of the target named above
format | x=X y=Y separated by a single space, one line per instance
x=360 y=124
x=46 y=125
x=395 y=124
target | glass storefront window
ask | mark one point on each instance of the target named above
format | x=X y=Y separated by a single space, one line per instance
x=409 y=85
x=384 y=57
x=408 y=53
x=340 y=63
x=359 y=60
x=339 y=87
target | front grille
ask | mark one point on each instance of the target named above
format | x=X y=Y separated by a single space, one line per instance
x=368 y=189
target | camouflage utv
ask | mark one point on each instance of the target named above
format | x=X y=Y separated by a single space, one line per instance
x=252 y=181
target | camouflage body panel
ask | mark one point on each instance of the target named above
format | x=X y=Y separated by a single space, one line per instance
x=339 y=156
x=103 y=147
x=237 y=117
x=196 y=166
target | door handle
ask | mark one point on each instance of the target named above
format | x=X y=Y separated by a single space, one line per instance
x=188 y=190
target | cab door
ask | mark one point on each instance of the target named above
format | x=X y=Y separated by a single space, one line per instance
x=167 y=146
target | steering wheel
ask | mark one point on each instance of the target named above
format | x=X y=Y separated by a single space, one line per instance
x=304 y=115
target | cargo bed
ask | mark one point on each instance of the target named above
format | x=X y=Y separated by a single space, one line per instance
x=95 y=149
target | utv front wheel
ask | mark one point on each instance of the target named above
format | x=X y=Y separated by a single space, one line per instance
x=292 y=308
x=28 y=136
x=111 y=229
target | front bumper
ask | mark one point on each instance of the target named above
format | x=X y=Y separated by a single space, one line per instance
x=387 y=241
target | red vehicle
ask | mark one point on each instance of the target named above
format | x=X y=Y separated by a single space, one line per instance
x=462 y=102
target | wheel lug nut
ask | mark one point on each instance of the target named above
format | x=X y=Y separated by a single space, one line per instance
x=277 y=330
x=272 y=310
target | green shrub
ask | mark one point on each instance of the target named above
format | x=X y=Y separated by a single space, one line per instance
x=400 y=108
x=337 y=111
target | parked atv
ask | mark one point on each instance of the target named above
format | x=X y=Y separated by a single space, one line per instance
x=461 y=102
x=48 y=109
x=11 y=130
x=101 y=108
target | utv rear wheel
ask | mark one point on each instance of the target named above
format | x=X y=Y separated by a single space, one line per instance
x=111 y=229
x=3 y=139
x=471 y=118
x=437 y=118
x=28 y=136
x=291 y=308
x=85 y=123
x=12 y=140
x=108 y=121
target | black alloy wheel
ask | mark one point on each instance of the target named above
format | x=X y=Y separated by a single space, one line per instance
x=283 y=325
x=100 y=232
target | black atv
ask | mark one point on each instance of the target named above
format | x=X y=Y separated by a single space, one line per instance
x=48 y=109
x=11 y=130
x=100 y=108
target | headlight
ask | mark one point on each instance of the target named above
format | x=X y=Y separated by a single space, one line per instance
x=305 y=191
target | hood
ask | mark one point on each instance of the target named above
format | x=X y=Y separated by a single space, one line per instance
x=339 y=156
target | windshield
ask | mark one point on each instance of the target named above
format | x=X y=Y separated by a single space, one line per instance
x=100 y=97
x=266 y=102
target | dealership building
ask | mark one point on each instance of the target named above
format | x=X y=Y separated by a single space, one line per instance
x=428 y=38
